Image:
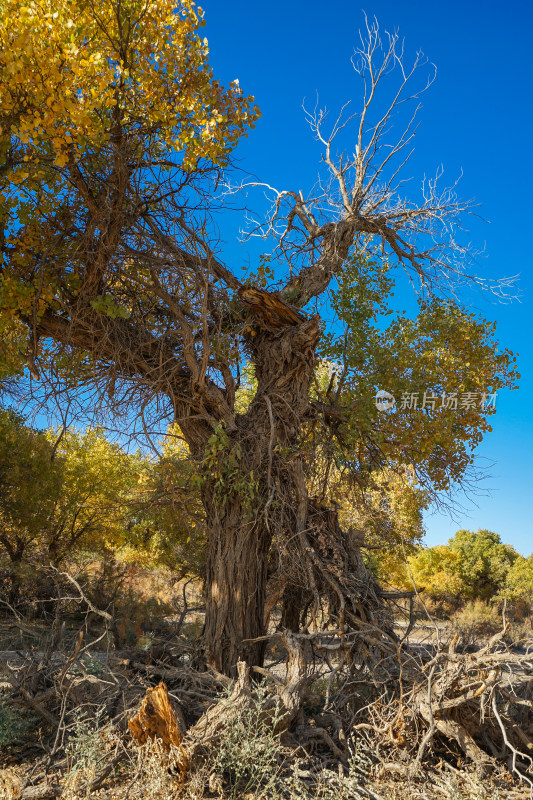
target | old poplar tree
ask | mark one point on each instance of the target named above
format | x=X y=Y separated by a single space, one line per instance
x=113 y=137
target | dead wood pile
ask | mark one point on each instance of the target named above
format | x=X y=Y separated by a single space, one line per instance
x=333 y=690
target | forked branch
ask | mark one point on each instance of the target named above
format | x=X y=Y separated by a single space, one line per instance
x=359 y=199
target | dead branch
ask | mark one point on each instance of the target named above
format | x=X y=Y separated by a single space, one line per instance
x=359 y=199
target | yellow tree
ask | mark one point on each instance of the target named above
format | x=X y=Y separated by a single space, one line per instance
x=62 y=494
x=473 y=565
x=436 y=570
x=519 y=583
x=30 y=483
x=99 y=486
x=167 y=523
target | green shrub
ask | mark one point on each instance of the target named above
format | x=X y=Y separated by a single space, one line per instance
x=249 y=761
x=249 y=754
x=13 y=725
x=84 y=747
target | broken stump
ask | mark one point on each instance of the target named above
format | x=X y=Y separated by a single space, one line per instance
x=157 y=719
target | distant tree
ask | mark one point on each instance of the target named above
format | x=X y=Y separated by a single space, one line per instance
x=472 y=566
x=166 y=525
x=63 y=499
x=435 y=569
x=483 y=562
x=99 y=483
x=391 y=568
x=30 y=484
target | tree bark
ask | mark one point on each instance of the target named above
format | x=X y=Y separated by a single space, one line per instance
x=235 y=587
x=292 y=605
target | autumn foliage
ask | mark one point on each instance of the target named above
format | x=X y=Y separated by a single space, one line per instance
x=95 y=100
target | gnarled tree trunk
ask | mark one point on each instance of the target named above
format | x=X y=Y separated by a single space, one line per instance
x=247 y=491
x=235 y=587
x=255 y=495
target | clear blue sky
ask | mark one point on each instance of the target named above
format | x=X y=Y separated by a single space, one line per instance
x=477 y=118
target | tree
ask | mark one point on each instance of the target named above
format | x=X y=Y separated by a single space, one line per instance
x=483 y=562
x=63 y=494
x=435 y=569
x=519 y=582
x=473 y=566
x=166 y=521
x=98 y=489
x=30 y=482
x=109 y=264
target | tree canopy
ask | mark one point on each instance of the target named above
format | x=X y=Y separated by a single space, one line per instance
x=474 y=565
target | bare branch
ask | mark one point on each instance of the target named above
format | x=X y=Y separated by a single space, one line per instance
x=358 y=200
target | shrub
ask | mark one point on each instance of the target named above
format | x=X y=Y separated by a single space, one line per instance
x=249 y=753
x=13 y=725
x=477 y=619
x=84 y=747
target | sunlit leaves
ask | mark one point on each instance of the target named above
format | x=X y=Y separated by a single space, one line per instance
x=78 y=496
x=519 y=581
x=98 y=102
x=29 y=483
x=444 y=349
x=474 y=565
x=435 y=570
x=72 y=73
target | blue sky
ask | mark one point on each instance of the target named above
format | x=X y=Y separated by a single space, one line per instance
x=477 y=118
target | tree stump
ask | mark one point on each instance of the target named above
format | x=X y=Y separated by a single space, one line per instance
x=157 y=719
